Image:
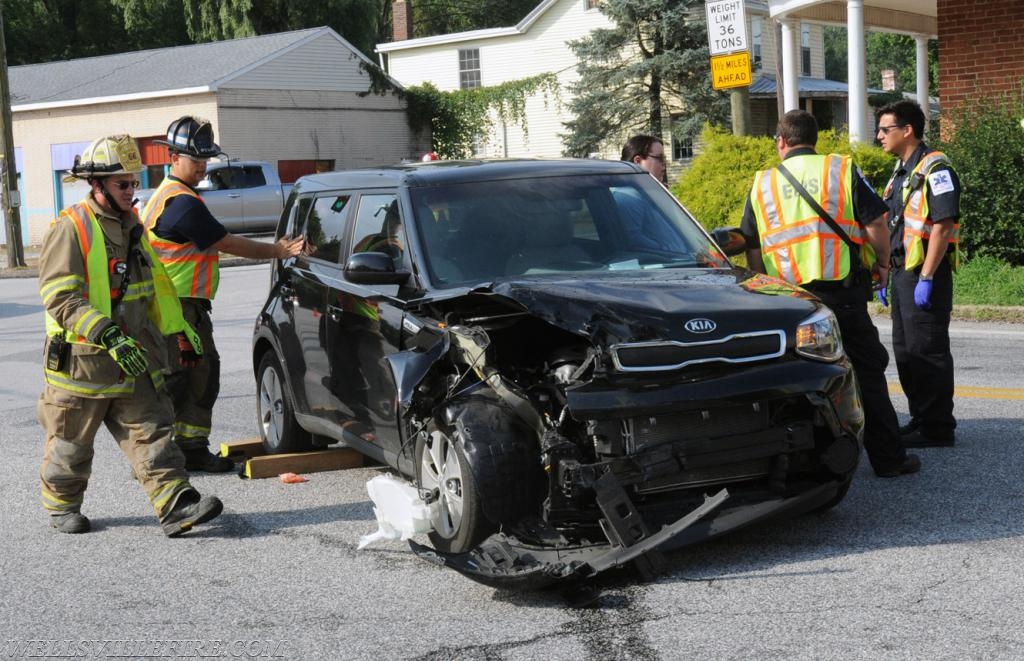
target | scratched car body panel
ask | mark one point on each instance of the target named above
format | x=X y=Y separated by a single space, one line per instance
x=559 y=357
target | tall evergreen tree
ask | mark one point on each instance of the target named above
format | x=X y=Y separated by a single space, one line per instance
x=633 y=74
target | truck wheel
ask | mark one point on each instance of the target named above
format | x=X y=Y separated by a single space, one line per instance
x=275 y=410
x=443 y=470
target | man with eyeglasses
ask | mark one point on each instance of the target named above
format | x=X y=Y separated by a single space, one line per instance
x=189 y=240
x=923 y=196
x=108 y=304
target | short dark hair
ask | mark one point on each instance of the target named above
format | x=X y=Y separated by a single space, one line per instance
x=639 y=145
x=906 y=112
x=798 y=127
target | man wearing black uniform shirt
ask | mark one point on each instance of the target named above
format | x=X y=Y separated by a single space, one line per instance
x=782 y=242
x=923 y=197
x=188 y=240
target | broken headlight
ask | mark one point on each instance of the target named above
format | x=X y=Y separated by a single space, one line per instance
x=817 y=337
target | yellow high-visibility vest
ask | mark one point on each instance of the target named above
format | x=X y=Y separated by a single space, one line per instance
x=195 y=272
x=917 y=226
x=796 y=245
x=164 y=307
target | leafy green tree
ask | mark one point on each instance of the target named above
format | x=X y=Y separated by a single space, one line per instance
x=654 y=57
x=431 y=17
x=883 y=51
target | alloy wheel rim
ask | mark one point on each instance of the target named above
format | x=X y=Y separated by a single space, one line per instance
x=441 y=472
x=271 y=406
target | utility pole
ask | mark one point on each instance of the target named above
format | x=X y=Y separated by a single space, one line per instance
x=739 y=101
x=11 y=198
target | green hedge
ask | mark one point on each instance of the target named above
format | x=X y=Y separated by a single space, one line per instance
x=987 y=152
x=716 y=185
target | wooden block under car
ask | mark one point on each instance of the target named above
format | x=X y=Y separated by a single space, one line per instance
x=272 y=465
x=237 y=450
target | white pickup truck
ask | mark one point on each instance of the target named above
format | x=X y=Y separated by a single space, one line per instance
x=245 y=196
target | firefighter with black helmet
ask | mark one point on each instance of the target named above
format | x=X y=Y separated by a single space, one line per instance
x=109 y=303
x=188 y=240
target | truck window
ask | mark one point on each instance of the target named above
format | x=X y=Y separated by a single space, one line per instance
x=252 y=177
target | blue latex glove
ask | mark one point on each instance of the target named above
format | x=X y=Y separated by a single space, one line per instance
x=923 y=294
x=883 y=296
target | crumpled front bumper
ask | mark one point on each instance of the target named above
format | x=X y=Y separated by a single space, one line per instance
x=503 y=561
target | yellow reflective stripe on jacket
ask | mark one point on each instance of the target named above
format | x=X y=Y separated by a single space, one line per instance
x=797 y=245
x=917 y=226
x=194 y=272
x=67 y=283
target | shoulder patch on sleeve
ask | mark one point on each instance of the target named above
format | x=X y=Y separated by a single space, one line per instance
x=940 y=182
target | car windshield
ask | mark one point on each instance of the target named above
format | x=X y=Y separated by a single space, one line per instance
x=483 y=231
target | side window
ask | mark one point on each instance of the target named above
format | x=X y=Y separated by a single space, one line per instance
x=253 y=177
x=297 y=220
x=378 y=227
x=325 y=226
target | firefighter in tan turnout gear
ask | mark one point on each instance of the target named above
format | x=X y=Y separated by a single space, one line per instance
x=109 y=305
x=189 y=240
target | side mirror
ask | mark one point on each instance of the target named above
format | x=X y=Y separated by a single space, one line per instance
x=204 y=184
x=729 y=240
x=373 y=268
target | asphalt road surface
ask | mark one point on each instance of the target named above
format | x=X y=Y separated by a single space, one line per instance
x=921 y=567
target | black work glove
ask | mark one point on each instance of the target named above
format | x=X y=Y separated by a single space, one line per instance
x=125 y=351
x=187 y=355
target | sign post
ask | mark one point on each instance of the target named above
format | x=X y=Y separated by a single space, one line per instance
x=730 y=57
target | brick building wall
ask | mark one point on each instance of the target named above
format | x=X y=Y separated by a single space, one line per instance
x=981 y=52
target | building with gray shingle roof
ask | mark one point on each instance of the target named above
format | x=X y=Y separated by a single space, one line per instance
x=297 y=99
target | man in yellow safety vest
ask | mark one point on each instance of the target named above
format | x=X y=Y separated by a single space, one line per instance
x=789 y=237
x=189 y=241
x=924 y=218
x=109 y=304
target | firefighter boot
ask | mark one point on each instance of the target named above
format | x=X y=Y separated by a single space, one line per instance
x=72 y=523
x=199 y=458
x=189 y=510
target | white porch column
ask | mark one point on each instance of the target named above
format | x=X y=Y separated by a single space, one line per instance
x=790 y=64
x=856 y=74
x=921 y=43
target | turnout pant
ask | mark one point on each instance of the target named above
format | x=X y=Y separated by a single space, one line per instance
x=920 y=343
x=194 y=390
x=142 y=426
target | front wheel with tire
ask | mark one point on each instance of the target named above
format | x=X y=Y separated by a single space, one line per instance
x=279 y=429
x=442 y=470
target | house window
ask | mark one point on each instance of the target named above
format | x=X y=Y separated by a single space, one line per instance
x=682 y=148
x=805 y=50
x=469 y=68
x=591 y=4
x=756 y=26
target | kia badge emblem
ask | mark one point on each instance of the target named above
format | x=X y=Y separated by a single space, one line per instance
x=700 y=325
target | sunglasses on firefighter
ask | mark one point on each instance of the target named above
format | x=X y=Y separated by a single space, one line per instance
x=125 y=185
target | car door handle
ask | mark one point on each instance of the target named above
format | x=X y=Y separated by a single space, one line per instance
x=234 y=195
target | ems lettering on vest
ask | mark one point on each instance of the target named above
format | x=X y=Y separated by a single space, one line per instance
x=811 y=184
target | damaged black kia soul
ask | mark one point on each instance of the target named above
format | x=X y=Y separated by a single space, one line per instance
x=560 y=359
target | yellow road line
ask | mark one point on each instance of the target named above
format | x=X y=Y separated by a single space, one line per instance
x=975 y=392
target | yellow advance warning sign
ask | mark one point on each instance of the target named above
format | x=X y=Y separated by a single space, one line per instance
x=732 y=70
